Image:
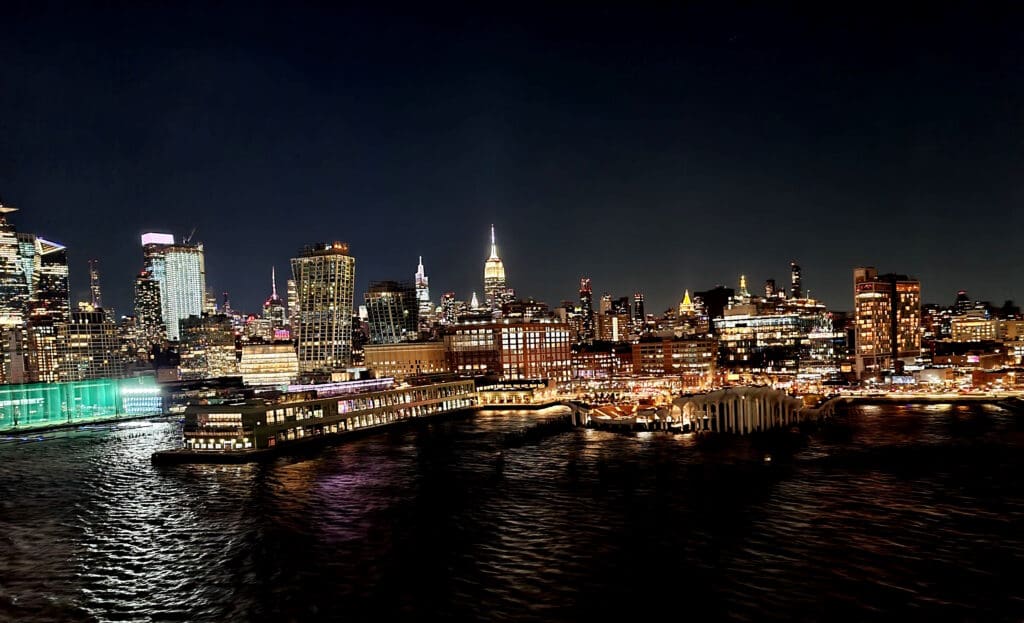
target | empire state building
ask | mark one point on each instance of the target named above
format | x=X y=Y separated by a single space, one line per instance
x=494 y=278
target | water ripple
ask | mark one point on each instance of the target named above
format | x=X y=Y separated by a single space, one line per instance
x=887 y=512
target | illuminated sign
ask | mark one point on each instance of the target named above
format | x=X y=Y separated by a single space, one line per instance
x=154 y=238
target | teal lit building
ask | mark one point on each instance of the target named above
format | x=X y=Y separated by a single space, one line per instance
x=44 y=405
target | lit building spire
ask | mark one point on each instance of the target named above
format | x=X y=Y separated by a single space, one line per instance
x=273 y=282
x=686 y=306
x=495 y=288
x=423 y=291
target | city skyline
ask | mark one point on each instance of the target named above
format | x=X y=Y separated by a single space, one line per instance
x=511 y=312
x=653 y=151
x=364 y=284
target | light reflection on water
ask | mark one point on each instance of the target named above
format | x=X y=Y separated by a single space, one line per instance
x=891 y=510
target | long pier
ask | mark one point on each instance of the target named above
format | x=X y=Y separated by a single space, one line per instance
x=735 y=410
x=744 y=410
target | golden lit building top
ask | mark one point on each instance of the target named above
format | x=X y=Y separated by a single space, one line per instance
x=686 y=306
x=494 y=278
x=493 y=267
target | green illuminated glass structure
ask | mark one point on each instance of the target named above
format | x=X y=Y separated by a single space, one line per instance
x=44 y=405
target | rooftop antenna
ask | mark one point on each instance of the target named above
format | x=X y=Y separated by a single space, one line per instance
x=188 y=238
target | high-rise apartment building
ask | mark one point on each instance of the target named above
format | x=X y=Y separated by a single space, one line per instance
x=89 y=347
x=325 y=285
x=148 y=314
x=185 y=286
x=393 y=312
x=494 y=279
x=887 y=309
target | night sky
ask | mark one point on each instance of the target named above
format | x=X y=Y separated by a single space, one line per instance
x=652 y=150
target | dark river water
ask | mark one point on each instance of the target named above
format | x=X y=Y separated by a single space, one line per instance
x=888 y=512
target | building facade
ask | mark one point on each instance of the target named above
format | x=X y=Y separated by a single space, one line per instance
x=887 y=312
x=89 y=347
x=180 y=273
x=207 y=348
x=511 y=349
x=269 y=364
x=148 y=312
x=693 y=360
x=324 y=277
x=392 y=311
x=406 y=359
x=974 y=327
x=52 y=294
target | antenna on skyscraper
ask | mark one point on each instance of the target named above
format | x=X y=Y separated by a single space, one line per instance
x=188 y=238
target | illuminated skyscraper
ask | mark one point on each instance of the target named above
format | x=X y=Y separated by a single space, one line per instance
x=50 y=310
x=796 y=290
x=33 y=276
x=423 y=291
x=325 y=284
x=639 y=319
x=15 y=285
x=153 y=246
x=743 y=294
x=274 y=308
x=52 y=294
x=494 y=278
x=888 y=319
x=184 y=287
x=94 y=284
x=587 y=309
x=180 y=271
